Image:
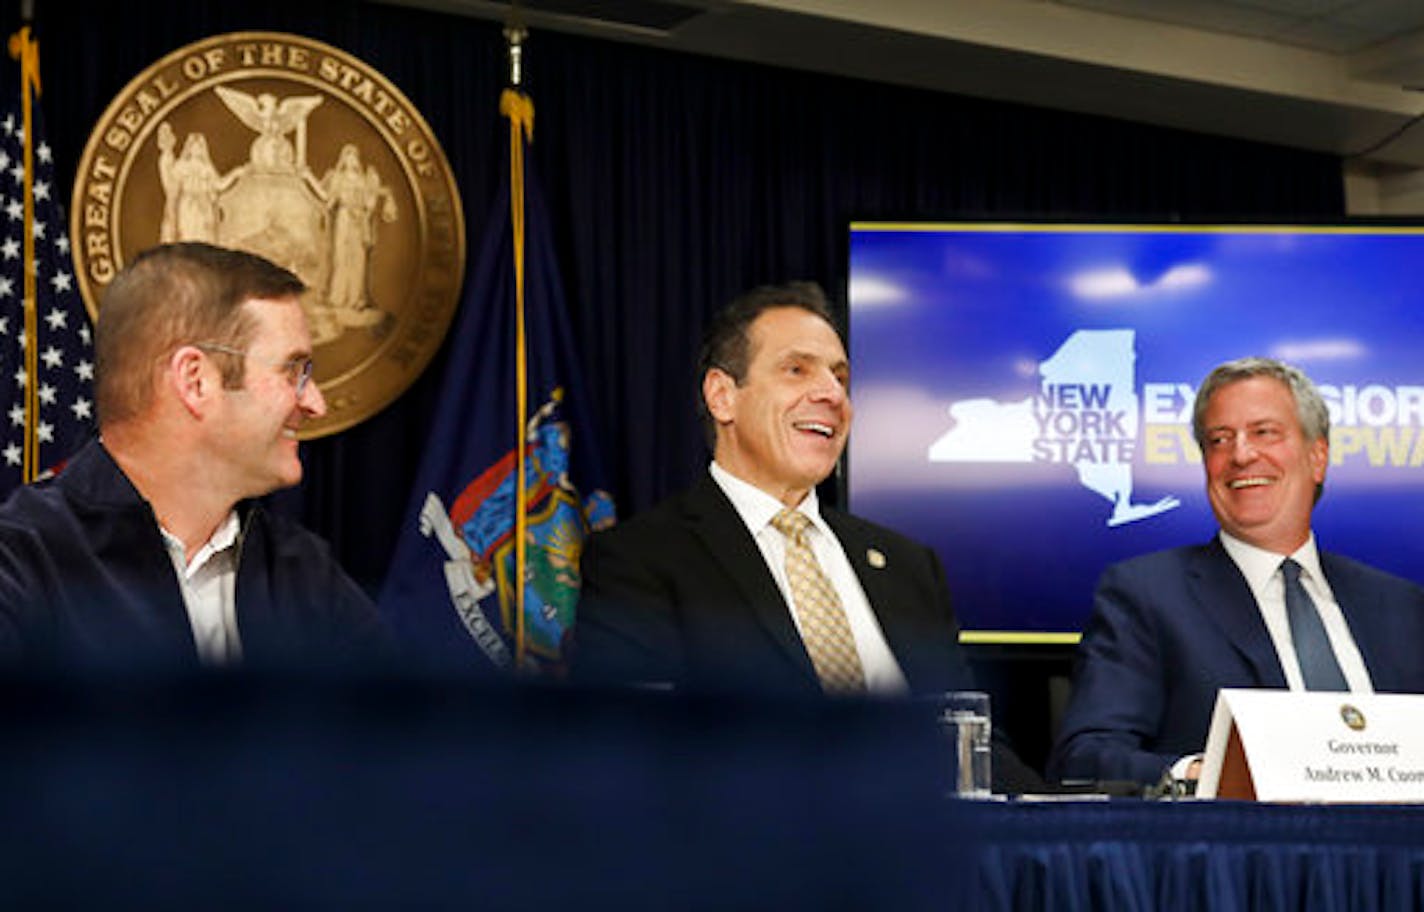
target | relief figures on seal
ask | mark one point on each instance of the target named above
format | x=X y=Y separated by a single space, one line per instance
x=321 y=228
x=296 y=150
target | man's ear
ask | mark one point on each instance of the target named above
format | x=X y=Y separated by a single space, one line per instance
x=1319 y=452
x=192 y=378
x=719 y=391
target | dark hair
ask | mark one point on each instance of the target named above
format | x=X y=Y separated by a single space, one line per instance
x=726 y=343
x=170 y=296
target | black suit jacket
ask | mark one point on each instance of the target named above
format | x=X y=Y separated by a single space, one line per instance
x=681 y=595
x=1169 y=629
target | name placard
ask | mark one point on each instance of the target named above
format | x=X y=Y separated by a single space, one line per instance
x=1279 y=745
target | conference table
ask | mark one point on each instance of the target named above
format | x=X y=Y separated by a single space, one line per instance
x=298 y=790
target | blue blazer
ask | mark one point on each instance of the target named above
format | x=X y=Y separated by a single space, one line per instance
x=1169 y=629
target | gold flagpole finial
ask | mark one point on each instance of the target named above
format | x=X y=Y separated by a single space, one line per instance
x=25 y=49
x=513 y=103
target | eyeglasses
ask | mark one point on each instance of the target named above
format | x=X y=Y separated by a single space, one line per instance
x=298 y=369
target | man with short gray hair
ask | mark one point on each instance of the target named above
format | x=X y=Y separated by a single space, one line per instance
x=1257 y=606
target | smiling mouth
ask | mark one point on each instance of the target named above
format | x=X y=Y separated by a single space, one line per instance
x=1256 y=482
x=815 y=427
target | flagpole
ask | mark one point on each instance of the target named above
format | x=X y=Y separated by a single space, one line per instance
x=27 y=51
x=515 y=105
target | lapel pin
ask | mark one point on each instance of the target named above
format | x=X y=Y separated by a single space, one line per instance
x=875 y=558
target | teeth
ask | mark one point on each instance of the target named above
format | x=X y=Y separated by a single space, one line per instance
x=816 y=427
x=1248 y=483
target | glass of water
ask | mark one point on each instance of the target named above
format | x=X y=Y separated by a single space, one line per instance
x=964 y=720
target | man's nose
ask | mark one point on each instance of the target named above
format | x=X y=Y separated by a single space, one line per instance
x=312 y=402
x=828 y=388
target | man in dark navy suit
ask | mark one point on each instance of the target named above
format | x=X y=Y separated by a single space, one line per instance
x=1257 y=606
x=696 y=593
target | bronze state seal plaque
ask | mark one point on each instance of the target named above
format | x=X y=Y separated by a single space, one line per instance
x=297 y=151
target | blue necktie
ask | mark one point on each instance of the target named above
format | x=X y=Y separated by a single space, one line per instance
x=1312 y=647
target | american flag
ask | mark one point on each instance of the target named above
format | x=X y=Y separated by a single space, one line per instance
x=63 y=337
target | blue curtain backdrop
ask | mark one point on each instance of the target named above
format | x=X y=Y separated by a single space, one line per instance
x=672 y=182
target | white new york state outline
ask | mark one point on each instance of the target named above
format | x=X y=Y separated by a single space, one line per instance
x=1011 y=427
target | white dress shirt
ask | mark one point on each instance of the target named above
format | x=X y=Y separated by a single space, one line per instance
x=756 y=508
x=1262 y=570
x=209 y=583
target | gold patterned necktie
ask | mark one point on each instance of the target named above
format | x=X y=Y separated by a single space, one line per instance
x=824 y=627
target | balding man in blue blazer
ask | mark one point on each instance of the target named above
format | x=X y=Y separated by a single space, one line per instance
x=1170 y=629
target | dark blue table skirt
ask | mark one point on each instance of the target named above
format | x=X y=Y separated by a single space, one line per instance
x=1200 y=855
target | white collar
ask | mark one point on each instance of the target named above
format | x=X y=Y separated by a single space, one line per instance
x=1259 y=566
x=222 y=538
x=757 y=508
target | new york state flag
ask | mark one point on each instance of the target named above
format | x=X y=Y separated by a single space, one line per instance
x=510 y=460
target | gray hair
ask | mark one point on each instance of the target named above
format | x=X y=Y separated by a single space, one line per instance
x=1309 y=407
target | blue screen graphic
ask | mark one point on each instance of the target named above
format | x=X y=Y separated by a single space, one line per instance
x=1023 y=393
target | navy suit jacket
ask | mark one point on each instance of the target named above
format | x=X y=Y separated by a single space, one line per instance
x=86 y=580
x=1169 y=629
x=681 y=595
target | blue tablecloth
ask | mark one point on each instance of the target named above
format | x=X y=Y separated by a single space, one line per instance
x=1222 y=856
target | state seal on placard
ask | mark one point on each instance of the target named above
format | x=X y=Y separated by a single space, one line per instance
x=295 y=150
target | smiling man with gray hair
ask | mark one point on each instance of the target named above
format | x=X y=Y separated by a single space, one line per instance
x=1258 y=606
